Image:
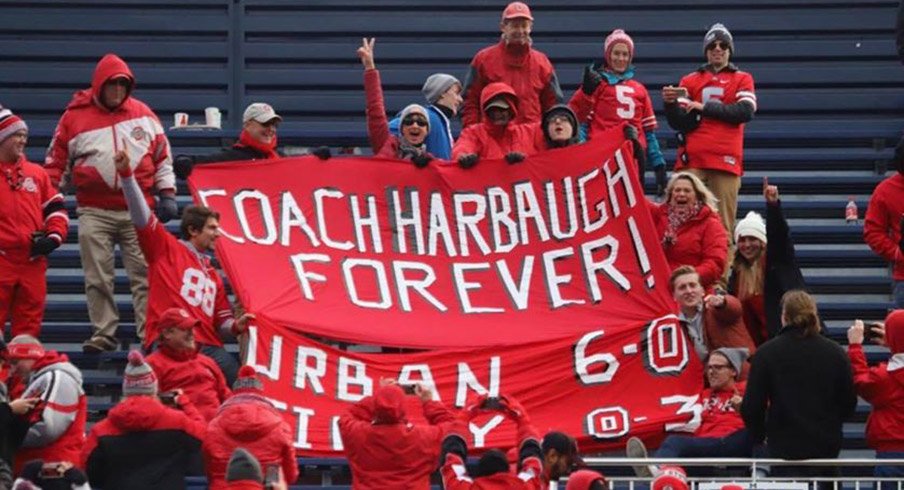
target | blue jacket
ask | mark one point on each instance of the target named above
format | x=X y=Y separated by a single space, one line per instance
x=439 y=139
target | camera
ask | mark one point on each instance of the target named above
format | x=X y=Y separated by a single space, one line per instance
x=409 y=389
x=869 y=333
x=168 y=398
x=492 y=403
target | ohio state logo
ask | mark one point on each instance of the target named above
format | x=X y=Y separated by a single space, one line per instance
x=138 y=133
x=29 y=185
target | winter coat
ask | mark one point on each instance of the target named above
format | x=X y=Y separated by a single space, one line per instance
x=883 y=387
x=882 y=226
x=439 y=140
x=249 y=421
x=724 y=327
x=528 y=71
x=701 y=242
x=89 y=135
x=143 y=445
x=799 y=392
x=58 y=421
x=199 y=377
x=385 y=451
x=489 y=141
x=382 y=141
x=782 y=274
x=35 y=206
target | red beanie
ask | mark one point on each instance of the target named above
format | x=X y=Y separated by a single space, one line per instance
x=10 y=124
x=247 y=381
x=618 y=36
x=582 y=479
x=670 y=478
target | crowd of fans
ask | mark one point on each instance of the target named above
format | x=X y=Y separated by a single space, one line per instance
x=774 y=385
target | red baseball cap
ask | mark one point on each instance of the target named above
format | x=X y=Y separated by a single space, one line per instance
x=517 y=10
x=177 y=318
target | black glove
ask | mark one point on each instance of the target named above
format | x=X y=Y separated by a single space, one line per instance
x=901 y=231
x=421 y=160
x=322 y=153
x=661 y=180
x=32 y=470
x=514 y=157
x=43 y=245
x=631 y=133
x=592 y=79
x=75 y=476
x=166 y=209
x=182 y=166
x=467 y=160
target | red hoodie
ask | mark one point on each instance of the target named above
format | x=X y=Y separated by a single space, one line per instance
x=883 y=387
x=881 y=229
x=89 y=135
x=491 y=141
x=197 y=375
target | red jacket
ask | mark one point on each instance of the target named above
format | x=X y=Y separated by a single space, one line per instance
x=34 y=206
x=382 y=141
x=883 y=387
x=384 y=450
x=613 y=105
x=489 y=141
x=197 y=375
x=719 y=419
x=528 y=71
x=249 y=421
x=168 y=438
x=724 y=327
x=701 y=242
x=882 y=227
x=89 y=134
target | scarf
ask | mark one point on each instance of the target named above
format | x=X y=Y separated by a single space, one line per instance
x=678 y=216
x=407 y=150
x=15 y=174
x=245 y=140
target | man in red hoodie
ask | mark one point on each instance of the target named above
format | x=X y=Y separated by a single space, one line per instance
x=32 y=225
x=514 y=62
x=882 y=227
x=883 y=387
x=179 y=365
x=384 y=450
x=57 y=433
x=98 y=123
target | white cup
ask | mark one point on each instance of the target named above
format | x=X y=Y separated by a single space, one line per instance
x=212 y=117
x=180 y=119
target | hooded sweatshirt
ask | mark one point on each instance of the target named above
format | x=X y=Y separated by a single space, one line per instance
x=883 y=387
x=882 y=227
x=89 y=135
x=143 y=445
x=197 y=375
x=491 y=141
x=248 y=420
x=384 y=450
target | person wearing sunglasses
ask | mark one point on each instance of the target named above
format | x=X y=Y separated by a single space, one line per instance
x=709 y=109
x=443 y=95
x=414 y=124
x=721 y=432
x=100 y=122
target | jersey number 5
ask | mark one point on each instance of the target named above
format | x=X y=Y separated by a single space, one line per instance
x=626 y=104
x=198 y=290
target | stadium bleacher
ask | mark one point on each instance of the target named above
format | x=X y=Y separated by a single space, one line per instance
x=828 y=83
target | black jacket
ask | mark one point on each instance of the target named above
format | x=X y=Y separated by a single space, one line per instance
x=14 y=429
x=782 y=272
x=799 y=392
x=183 y=164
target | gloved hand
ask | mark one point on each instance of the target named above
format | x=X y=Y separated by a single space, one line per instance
x=322 y=152
x=467 y=160
x=631 y=133
x=166 y=209
x=32 y=470
x=592 y=80
x=421 y=160
x=44 y=245
x=75 y=476
x=514 y=409
x=515 y=157
x=182 y=166
x=661 y=180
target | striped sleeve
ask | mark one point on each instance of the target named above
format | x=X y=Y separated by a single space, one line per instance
x=53 y=210
x=746 y=92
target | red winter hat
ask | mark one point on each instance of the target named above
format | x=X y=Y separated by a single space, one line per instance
x=23 y=347
x=516 y=10
x=582 y=479
x=670 y=478
x=177 y=318
x=10 y=124
x=617 y=36
x=139 y=378
x=247 y=381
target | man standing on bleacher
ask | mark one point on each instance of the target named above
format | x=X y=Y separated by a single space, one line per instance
x=99 y=122
x=514 y=62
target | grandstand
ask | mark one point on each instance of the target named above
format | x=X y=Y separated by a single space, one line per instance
x=830 y=93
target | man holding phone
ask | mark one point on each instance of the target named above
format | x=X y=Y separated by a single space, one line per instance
x=709 y=109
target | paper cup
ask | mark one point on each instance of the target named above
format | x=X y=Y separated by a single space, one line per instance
x=212 y=117
x=180 y=119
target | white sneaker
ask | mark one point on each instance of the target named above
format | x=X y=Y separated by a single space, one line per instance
x=636 y=450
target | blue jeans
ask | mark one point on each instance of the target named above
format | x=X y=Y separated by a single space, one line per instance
x=897 y=292
x=889 y=471
x=224 y=359
x=734 y=445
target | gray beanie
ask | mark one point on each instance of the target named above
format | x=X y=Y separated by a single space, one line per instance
x=243 y=466
x=718 y=32
x=736 y=356
x=436 y=85
x=415 y=109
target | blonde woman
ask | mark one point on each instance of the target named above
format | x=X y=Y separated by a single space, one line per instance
x=689 y=228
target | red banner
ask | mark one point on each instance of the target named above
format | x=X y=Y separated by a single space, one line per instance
x=599 y=385
x=379 y=252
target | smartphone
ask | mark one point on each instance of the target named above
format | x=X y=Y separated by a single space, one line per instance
x=869 y=333
x=409 y=389
x=168 y=398
x=492 y=403
x=271 y=478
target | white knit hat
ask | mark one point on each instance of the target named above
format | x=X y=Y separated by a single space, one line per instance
x=752 y=225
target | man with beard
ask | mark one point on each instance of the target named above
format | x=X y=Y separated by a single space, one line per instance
x=514 y=62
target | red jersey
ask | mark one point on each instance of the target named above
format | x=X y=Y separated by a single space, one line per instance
x=611 y=105
x=716 y=144
x=30 y=203
x=719 y=418
x=179 y=276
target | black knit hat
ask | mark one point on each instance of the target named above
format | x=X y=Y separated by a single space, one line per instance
x=561 y=110
x=243 y=466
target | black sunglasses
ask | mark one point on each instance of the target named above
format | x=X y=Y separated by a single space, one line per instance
x=718 y=44
x=408 y=121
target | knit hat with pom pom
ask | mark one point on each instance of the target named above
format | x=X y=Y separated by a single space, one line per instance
x=247 y=381
x=139 y=378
